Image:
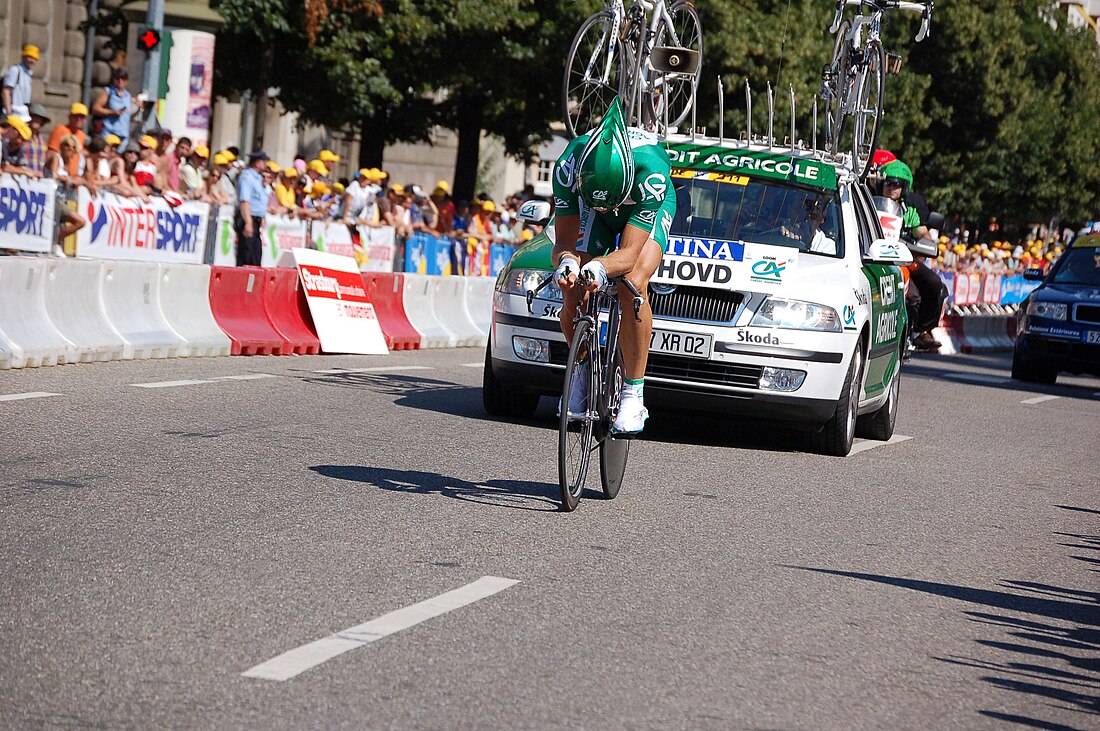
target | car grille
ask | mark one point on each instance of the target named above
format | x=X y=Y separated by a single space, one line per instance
x=1087 y=313
x=696 y=303
x=703 y=371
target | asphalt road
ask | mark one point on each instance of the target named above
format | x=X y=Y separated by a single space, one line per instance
x=158 y=543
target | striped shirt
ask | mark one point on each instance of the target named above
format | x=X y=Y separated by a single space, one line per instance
x=35 y=152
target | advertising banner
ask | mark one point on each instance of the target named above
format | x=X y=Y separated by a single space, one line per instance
x=28 y=213
x=332 y=237
x=344 y=317
x=136 y=230
x=723 y=264
x=190 y=75
x=280 y=233
x=378 y=246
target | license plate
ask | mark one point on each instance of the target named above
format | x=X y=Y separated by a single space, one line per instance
x=1092 y=336
x=691 y=345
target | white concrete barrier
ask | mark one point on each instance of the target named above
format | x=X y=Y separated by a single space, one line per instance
x=449 y=306
x=25 y=328
x=74 y=302
x=417 y=300
x=185 y=304
x=479 y=302
x=132 y=303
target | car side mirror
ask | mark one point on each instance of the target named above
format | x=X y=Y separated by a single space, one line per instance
x=936 y=220
x=882 y=251
x=535 y=212
x=1034 y=275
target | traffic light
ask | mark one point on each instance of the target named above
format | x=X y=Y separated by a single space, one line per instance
x=148 y=39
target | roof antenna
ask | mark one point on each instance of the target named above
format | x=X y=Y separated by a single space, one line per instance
x=771 y=116
x=815 y=125
x=792 y=119
x=721 y=111
x=748 y=112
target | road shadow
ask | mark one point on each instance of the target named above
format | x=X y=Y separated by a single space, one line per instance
x=514 y=494
x=407 y=389
x=946 y=368
x=1051 y=654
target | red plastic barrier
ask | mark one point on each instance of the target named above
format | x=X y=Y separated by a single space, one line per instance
x=237 y=301
x=286 y=307
x=386 y=291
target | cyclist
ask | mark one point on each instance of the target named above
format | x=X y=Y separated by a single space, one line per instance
x=928 y=293
x=614 y=207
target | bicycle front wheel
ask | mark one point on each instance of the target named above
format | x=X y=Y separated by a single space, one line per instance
x=867 y=110
x=677 y=91
x=835 y=88
x=575 y=437
x=591 y=74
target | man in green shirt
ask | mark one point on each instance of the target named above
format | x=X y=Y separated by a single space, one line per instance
x=614 y=205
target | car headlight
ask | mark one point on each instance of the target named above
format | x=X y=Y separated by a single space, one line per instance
x=521 y=281
x=796 y=315
x=1052 y=310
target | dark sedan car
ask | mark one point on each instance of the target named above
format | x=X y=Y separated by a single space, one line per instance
x=1059 y=323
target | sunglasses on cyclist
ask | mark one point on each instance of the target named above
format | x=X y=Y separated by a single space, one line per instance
x=895 y=182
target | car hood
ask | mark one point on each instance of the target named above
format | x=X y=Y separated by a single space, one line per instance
x=1068 y=293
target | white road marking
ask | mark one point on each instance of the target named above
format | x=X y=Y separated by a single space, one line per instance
x=169 y=384
x=374 y=369
x=29 y=394
x=863 y=446
x=300 y=659
x=479 y=364
x=247 y=377
x=979 y=378
x=1038 y=399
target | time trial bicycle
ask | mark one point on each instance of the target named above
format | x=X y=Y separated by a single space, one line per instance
x=853 y=84
x=595 y=349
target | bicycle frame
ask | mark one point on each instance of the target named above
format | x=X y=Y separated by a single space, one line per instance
x=880 y=7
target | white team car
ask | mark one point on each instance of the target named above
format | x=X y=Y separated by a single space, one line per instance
x=778 y=299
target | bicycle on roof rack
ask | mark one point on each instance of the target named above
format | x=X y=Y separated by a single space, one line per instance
x=853 y=84
x=652 y=63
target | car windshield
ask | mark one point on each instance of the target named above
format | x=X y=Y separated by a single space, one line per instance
x=739 y=208
x=1079 y=266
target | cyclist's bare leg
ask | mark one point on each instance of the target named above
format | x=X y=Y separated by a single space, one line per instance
x=635 y=335
x=571 y=299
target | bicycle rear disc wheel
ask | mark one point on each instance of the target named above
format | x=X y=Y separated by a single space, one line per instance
x=677 y=90
x=575 y=438
x=837 y=88
x=585 y=95
x=867 y=110
x=613 y=452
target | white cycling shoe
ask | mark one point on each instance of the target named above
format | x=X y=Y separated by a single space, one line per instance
x=578 y=399
x=631 y=417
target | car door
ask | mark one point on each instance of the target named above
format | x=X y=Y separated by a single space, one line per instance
x=887 y=301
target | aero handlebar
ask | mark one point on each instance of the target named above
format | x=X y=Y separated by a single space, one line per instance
x=925 y=9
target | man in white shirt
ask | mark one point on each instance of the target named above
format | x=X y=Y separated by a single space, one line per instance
x=17 y=84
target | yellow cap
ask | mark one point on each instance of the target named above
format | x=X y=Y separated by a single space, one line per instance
x=319 y=189
x=488 y=206
x=32 y=51
x=202 y=151
x=20 y=126
x=399 y=189
x=229 y=156
x=147 y=141
x=113 y=140
x=338 y=187
x=444 y=186
x=328 y=156
x=78 y=108
x=317 y=166
x=290 y=172
x=364 y=173
x=377 y=174
x=220 y=158
x=273 y=166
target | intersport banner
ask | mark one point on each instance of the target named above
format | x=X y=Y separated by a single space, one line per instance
x=138 y=230
x=28 y=213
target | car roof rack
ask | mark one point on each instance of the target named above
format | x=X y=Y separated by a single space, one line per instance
x=792 y=145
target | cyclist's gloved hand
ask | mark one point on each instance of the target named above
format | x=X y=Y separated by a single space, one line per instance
x=567 y=267
x=596 y=275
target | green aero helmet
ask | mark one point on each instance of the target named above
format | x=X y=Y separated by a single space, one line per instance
x=606 y=170
x=897 y=170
